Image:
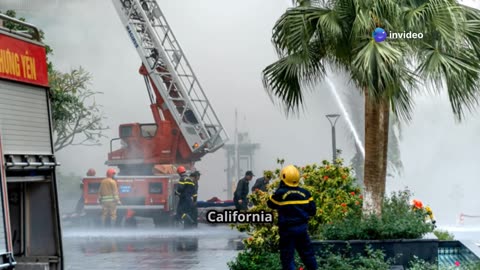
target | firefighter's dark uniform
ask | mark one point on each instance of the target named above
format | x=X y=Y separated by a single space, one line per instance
x=295 y=206
x=260 y=184
x=195 y=209
x=241 y=194
x=186 y=192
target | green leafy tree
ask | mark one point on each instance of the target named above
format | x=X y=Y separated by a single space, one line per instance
x=77 y=119
x=337 y=34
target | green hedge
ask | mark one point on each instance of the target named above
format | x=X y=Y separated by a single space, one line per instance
x=248 y=260
x=375 y=260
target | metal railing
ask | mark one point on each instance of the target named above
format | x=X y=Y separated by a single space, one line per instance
x=35 y=35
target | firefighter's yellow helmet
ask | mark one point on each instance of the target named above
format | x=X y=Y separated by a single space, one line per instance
x=290 y=176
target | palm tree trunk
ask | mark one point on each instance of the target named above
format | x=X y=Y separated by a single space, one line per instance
x=376 y=147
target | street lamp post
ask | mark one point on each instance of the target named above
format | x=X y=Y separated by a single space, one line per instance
x=332 y=118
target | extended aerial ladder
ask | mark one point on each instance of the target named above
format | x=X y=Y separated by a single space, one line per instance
x=186 y=126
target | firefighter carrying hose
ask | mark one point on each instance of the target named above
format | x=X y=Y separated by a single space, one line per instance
x=108 y=197
x=186 y=192
x=295 y=206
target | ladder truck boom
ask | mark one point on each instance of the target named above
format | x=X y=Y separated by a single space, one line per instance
x=178 y=102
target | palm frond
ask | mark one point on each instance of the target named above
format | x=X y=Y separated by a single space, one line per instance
x=472 y=29
x=458 y=71
x=284 y=78
x=294 y=30
x=443 y=22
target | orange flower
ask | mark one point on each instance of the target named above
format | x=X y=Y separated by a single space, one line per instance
x=357 y=202
x=417 y=204
x=361 y=197
x=352 y=193
x=325 y=177
x=344 y=176
x=344 y=205
x=250 y=239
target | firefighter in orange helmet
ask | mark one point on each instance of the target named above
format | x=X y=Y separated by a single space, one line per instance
x=108 y=197
x=91 y=172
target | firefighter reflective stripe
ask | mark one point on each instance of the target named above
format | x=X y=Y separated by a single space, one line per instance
x=108 y=190
x=186 y=183
x=291 y=202
x=109 y=198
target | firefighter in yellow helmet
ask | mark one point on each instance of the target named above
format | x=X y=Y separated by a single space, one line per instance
x=108 y=197
x=295 y=207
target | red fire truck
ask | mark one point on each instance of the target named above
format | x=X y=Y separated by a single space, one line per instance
x=185 y=125
x=30 y=235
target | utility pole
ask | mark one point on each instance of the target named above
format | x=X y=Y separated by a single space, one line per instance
x=237 y=155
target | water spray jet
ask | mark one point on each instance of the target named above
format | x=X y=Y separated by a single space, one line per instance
x=339 y=101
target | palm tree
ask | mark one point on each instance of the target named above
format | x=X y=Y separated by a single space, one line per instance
x=337 y=34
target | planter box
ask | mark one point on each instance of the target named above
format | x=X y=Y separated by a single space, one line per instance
x=401 y=251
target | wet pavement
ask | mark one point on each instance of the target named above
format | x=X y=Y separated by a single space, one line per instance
x=208 y=247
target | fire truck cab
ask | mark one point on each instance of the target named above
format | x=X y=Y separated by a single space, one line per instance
x=30 y=234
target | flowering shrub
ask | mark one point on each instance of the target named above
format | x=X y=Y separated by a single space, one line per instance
x=335 y=194
x=262 y=237
x=339 y=216
x=334 y=191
